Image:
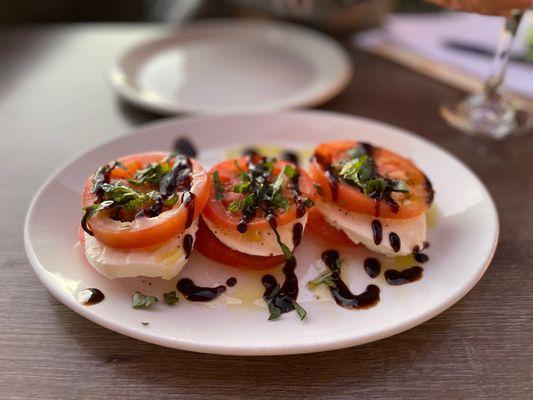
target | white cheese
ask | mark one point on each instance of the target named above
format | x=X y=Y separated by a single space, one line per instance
x=358 y=227
x=256 y=242
x=164 y=261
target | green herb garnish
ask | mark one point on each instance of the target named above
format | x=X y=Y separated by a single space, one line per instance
x=151 y=175
x=127 y=197
x=145 y=323
x=140 y=300
x=219 y=189
x=300 y=310
x=308 y=203
x=325 y=279
x=171 y=297
x=274 y=310
x=360 y=172
x=318 y=189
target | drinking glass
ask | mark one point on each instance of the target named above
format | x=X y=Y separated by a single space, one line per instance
x=488 y=113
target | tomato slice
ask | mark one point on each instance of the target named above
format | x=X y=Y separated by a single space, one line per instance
x=388 y=165
x=217 y=212
x=210 y=246
x=320 y=228
x=144 y=231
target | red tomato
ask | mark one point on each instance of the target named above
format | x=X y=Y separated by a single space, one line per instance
x=388 y=165
x=145 y=232
x=211 y=247
x=216 y=210
x=317 y=225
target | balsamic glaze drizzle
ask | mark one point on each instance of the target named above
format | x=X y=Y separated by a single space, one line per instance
x=372 y=267
x=96 y=296
x=230 y=282
x=290 y=157
x=188 y=201
x=396 y=278
x=377 y=231
x=341 y=292
x=288 y=292
x=297 y=233
x=395 y=242
x=421 y=258
x=193 y=292
x=188 y=242
x=184 y=146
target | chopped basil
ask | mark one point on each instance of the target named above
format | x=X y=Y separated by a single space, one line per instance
x=360 y=172
x=241 y=204
x=127 y=197
x=242 y=187
x=325 y=279
x=318 y=189
x=219 y=189
x=300 y=310
x=172 y=200
x=309 y=203
x=273 y=309
x=342 y=203
x=140 y=300
x=151 y=175
x=171 y=297
x=284 y=248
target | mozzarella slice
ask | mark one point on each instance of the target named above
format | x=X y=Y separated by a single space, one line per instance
x=358 y=227
x=258 y=243
x=165 y=261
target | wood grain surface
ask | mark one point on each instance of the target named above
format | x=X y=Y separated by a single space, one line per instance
x=55 y=101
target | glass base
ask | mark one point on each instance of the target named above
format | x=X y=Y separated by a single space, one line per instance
x=486 y=115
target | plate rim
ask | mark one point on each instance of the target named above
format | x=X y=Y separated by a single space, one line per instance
x=326 y=345
x=126 y=92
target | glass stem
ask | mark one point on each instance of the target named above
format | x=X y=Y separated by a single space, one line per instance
x=503 y=53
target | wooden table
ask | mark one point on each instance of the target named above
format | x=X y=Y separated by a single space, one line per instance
x=55 y=101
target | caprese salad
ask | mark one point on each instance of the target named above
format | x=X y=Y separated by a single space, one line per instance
x=141 y=214
x=369 y=195
x=256 y=212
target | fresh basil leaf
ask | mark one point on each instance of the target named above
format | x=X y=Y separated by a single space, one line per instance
x=325 y=279
x=400 y=186
x=219 y=189
x=309 y=203
x=171 y=297
x=300 y=310
x=279 y=201
x=140 y=300
x=273 y=309
x=290 y=171
x=242 y=187
x=284 y=248
x=152 y=174
x=356 y=152
x=172 y=200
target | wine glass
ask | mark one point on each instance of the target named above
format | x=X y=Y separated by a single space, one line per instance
x=488 y=113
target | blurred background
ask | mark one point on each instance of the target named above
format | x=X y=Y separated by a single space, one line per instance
x=360 y=15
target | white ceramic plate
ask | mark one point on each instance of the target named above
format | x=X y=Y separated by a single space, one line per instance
x=462 y=244
x=225 y=66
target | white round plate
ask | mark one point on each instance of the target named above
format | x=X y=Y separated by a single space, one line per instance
x=227 y=66
x=462 y=245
